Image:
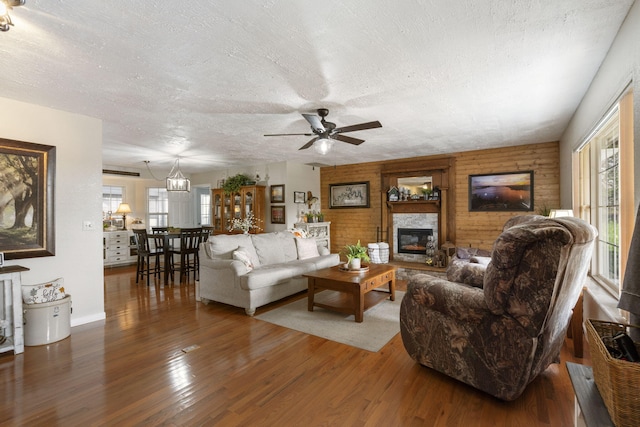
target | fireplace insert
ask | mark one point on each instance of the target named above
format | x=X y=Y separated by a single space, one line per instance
x=413 y=240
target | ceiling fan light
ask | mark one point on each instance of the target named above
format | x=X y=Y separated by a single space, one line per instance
x=322 y=146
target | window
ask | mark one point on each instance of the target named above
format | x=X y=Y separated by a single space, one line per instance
x=203 y=206
x=112 y=196
x=605 y=175
x=157 y=207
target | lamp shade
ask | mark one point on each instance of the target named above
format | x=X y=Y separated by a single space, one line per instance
x=124 y=208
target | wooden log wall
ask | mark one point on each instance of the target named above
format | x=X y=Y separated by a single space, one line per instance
x=480 y=229
x=476 y=229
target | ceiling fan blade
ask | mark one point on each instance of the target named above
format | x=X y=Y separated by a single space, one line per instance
x=350 y=140
x=288 y=134
x=308 y=144
x=361 y=126
x=315 y=122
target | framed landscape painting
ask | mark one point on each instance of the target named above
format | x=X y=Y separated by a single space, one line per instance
x=277 y=193
x=351 y=195
x=27 y=172
x=277 y=215
x=507 y=191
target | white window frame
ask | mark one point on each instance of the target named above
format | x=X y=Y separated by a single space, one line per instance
x=157 y=208
x=618 y=202
x=111 y=200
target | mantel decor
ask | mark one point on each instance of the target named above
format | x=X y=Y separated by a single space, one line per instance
x=501 y=192
x=27 y=229
x=349 y=195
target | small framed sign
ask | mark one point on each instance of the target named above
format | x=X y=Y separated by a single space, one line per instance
x=299 y=197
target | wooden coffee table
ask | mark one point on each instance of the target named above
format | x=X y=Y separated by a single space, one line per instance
x=357 y=285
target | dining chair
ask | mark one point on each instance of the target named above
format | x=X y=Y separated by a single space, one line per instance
x=206 y=232
x=160 y=251
x=145 y=254
x=190 y=239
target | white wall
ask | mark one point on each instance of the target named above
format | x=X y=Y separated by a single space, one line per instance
x=620 y=67
x=78 y=198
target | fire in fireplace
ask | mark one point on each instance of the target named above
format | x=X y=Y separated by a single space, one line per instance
x=413 y=240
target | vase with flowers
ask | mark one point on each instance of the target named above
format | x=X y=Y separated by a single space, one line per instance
x=245 y=224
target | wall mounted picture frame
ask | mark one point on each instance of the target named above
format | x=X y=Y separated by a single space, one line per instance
x=299 y=197
x=27 y=229
x=501 y=192
x=277 y=215
x=277 y=193
x=349 y=195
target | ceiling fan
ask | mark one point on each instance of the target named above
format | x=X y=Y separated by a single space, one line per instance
x=326 y=131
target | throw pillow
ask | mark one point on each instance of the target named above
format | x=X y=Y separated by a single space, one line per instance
x=307 y=248
x=44 y=292
x=244 y=257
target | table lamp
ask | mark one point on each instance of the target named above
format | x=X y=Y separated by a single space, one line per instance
x=124 y=209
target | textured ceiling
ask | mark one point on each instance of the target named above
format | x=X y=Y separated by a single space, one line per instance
x=205 y=80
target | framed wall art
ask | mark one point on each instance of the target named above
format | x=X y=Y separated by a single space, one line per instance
x=27 y=226
x=349 y=195
x=507 y=191
x=277 y=193
x=299 y=197
x=277 y=215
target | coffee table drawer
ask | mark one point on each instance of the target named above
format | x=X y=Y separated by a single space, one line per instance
x=378 y=280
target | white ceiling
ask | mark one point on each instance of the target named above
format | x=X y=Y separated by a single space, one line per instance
x=205 y=80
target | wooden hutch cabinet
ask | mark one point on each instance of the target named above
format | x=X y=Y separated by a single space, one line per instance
x=249 y=199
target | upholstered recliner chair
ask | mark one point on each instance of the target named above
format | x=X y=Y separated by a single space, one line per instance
x=500 y=336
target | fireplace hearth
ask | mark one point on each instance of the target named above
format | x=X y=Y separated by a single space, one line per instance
x=413 y=240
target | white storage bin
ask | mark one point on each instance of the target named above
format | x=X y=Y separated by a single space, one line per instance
x=379 y=252
x=47 y=322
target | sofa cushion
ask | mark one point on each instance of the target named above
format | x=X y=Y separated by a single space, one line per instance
x=307 y=248
x=288 y=244
x=268 y=248
x=223 y=245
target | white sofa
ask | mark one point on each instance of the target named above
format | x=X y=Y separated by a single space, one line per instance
x=251 y=270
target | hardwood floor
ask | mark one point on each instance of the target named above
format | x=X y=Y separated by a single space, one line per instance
x=131 y=370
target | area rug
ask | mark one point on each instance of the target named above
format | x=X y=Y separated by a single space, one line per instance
x=381 y=322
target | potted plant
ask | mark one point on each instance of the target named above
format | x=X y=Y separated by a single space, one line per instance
x=355 y=255
x=232 y=185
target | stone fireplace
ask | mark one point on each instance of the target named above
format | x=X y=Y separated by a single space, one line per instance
x=417 y=212
x=411 y=231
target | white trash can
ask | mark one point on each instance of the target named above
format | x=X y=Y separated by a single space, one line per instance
x=47 y=322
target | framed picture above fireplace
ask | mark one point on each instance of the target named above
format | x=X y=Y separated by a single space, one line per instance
x=501 y=192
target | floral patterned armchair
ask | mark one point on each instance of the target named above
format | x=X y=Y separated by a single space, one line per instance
x=500 y=336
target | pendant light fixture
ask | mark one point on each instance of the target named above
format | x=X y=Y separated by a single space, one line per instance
x=176 y=181
x=5 y=7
